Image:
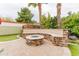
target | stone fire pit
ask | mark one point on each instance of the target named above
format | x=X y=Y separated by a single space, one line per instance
x=34 y=39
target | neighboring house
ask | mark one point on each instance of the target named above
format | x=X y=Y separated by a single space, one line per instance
x=3 y=22
x=0 y=20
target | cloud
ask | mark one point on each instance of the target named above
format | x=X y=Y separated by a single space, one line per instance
x=51 y=8
x=10 y=9
x=66 y=7
x=13 y=1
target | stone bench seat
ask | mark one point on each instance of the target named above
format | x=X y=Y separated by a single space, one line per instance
x=53 y=32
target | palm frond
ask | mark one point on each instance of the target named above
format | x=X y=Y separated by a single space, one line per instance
x=32 y=4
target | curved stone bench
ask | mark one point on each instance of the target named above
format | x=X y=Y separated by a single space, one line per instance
x=56 y=36
x=53 y=32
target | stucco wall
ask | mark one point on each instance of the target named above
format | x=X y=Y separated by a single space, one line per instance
x=10 y=28
x=4 y=30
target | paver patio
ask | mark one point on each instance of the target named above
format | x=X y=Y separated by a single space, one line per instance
x=19 y=48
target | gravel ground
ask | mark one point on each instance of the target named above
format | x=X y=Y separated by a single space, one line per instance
x=20 y=48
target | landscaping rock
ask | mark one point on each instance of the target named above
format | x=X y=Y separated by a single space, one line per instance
x=73 y=37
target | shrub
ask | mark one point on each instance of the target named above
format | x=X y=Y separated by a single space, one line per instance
x=54 y=22
x=71 y=22
x=75 y=30
x=48 y=22
x=24 y=15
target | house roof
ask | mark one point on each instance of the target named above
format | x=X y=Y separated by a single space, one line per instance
x=2 y=20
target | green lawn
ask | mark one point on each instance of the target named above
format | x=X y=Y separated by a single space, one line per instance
x=7 y=37
x=74 y=48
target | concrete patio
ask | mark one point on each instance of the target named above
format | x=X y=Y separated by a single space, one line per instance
x=20 y=48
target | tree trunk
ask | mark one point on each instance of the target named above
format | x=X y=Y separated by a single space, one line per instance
x=39 y=9
x=59 y=14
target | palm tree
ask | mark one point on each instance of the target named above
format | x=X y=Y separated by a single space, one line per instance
x=58 y=14
x=39 y=8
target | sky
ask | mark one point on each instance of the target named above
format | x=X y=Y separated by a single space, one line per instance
x=11 y=9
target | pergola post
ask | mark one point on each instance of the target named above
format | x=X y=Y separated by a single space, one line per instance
x=39 y=8
x=59 y=14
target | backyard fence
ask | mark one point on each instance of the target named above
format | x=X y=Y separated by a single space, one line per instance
x=10 y=28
